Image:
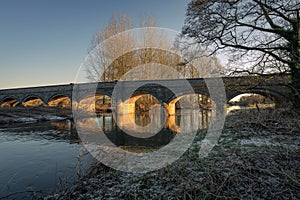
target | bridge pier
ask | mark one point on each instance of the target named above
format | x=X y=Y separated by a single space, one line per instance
x=171 y=124
x=170 y=108
x=125 y=122
x=125 y=108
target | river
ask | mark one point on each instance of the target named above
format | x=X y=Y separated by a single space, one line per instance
x=44 y=156
x=37 y=157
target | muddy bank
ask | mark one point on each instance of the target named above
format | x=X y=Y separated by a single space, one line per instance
x=257 y=157
x=11 y=116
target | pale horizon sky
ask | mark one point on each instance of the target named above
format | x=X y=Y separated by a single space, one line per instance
x=45 y=42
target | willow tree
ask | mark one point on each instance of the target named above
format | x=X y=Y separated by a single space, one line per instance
x=260 y=36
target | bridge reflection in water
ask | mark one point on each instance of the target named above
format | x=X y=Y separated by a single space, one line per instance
x=143 y=130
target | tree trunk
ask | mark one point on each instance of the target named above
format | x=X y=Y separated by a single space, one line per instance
x=295 y=83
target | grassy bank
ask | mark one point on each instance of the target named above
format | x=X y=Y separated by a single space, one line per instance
x=258 y=156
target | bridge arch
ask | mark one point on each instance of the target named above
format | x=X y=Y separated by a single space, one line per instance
x=94 y=103
x=188 y=100
x=57 y=96
x=103 y=103
x=142 y=92
x=82 y=95
x=182 y=94
x=138 y=102
x=12 y=101
x=192 y=97
x=276 y=97
x=33 y=97
x=5 y=98
x=59 y=100
x=136 y=114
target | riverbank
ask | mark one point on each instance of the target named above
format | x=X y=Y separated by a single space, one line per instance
x=257 y=157
x=18 y=115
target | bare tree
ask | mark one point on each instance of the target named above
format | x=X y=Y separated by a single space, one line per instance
x=260 y=36
x=115 y=56
x=111 y=59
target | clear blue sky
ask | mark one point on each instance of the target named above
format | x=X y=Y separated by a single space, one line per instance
x=43 y=42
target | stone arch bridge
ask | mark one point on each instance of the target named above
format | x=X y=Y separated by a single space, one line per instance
x=274 y=87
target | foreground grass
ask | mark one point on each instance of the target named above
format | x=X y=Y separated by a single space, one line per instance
x=258 y=156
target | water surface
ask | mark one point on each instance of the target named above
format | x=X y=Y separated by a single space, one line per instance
x=42 y=157
x=37 y=157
